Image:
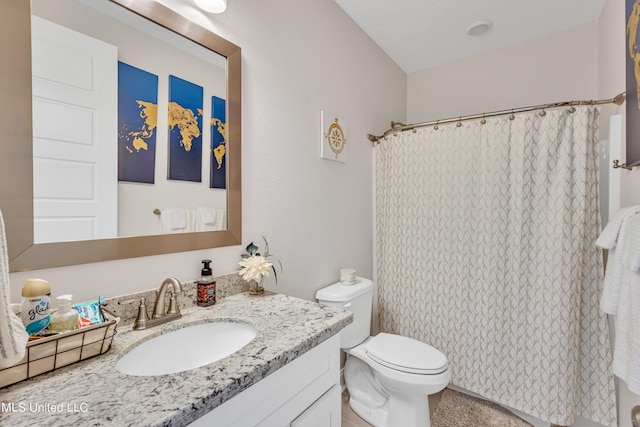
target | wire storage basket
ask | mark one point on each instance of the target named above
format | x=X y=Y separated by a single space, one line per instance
x=53 y=352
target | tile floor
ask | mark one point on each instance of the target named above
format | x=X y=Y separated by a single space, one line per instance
x=350 y=419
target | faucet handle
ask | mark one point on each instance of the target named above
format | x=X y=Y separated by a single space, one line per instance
x=142 y=318
x=173 y=304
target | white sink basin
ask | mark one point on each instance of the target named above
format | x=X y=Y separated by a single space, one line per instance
x=186 y=348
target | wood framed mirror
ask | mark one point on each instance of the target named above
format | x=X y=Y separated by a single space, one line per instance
x=16 y=149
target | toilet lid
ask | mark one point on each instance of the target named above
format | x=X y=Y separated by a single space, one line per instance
x=406 y=354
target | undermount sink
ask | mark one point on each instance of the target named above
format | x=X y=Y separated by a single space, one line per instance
x=187 y=348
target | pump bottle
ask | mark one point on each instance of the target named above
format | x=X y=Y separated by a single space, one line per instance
x=66 y=318
x=206 y=292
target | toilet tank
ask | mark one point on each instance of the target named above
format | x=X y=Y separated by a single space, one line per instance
x=358 y=299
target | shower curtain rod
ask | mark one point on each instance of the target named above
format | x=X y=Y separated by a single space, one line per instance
x=401 y=127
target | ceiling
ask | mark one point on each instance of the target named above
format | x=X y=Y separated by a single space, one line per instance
x=419 y=34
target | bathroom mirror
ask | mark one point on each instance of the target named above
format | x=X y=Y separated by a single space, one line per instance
x=16 y=149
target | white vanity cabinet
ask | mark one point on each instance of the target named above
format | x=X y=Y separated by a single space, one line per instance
x=324 y=411
x=304 y=392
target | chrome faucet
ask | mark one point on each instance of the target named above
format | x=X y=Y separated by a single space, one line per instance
x=160 y=313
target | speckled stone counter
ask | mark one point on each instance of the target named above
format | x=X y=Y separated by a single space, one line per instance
x=94 y=393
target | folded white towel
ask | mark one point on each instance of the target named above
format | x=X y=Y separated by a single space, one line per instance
x=609 y=236
x=177 y=220
x=13 y=336
x=613 y=277
x=210 y=219
x=631 y=253
x=207 y=216
x=221 y=220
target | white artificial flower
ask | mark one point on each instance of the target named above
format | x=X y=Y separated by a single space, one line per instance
x=254 y=268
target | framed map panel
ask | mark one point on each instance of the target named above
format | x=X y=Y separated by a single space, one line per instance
x=137 y=124
x=218 y=143
x=185 y=130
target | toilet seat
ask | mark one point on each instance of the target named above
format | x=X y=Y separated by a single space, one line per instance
x=406 y=354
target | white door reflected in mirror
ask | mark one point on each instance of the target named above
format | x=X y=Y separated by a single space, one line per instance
x=75 y=107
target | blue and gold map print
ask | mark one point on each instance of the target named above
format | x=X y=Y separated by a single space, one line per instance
x=137 y=124
x=185 y=130
x=218 y=143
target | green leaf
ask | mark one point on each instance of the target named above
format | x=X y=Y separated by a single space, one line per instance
x=252 y=249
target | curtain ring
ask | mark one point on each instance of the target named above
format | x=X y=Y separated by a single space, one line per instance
x=459 y=122
x=436 y=126
x=483 y=121
x=512 y=116
x=542 y=113
x=572 y=109
x=414 y=130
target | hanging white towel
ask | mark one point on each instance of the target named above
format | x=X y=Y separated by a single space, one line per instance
x=13 y=336
x=210 y=219
x=631 y=256
x=609 y=236
x=177 y=220
x=613 y=238
x=626 y=354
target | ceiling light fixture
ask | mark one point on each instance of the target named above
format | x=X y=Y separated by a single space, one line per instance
x=480 y=27
x=212 y=6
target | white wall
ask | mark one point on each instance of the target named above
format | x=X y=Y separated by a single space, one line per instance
x=298 y=58
x=558 y=67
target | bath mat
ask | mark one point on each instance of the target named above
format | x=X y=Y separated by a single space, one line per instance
x=460 y=410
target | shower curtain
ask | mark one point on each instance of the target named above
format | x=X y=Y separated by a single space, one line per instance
x=485 y=249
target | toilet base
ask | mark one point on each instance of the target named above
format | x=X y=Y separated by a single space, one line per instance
x=382 y=407
x=379 y=417
x=376 y=418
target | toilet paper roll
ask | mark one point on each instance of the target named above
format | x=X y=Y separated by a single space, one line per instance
x=347 y=276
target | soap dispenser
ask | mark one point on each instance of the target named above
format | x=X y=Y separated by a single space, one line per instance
x=206 y=293
x=66 y=318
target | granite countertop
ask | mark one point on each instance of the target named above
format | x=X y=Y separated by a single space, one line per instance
x=93 y=392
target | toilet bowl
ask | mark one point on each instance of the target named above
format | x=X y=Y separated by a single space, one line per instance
x=388 y=376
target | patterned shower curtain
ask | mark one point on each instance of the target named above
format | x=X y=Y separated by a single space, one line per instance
x=485 y=249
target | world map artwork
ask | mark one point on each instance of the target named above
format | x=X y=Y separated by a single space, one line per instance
x=186 y=122
x=185 y=130
x=137 y=124
x=218 y=176
x=137 y=138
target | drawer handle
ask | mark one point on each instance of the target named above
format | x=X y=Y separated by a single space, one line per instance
x=347 y=305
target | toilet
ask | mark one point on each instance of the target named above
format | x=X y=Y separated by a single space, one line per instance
x=388 y=376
